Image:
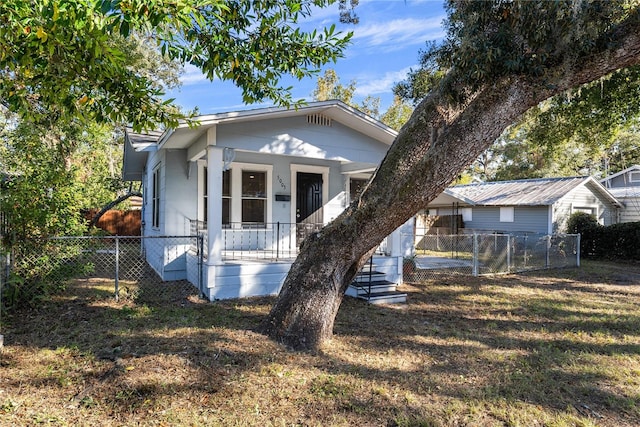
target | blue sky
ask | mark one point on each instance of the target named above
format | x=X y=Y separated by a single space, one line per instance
x=384 y=47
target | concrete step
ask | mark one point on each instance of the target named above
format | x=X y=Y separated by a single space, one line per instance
x=374 y=276
x=362 y=288
x=367 y=268
x=394 y=297
x=372 y=285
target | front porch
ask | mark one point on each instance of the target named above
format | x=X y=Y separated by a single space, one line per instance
x=254 y=261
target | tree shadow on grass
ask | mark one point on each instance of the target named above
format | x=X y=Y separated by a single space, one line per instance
x=481 y=342
x=471 y=342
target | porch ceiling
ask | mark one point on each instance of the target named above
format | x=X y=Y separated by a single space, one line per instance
x=446 y=200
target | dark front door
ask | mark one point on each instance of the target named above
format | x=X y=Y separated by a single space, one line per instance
x=308 y=203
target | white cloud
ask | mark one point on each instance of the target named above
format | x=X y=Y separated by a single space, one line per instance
x=382 y=84
x=398 y=33
x=192 y=75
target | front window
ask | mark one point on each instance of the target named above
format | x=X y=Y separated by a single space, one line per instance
x=226 y=197
x=254 y=197
x=585 y=209
x=155 y=199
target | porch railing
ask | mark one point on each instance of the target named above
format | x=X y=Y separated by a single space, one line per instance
x=277 y=241
x=274 y=241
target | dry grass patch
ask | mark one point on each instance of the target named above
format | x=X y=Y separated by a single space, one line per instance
x=554 y=348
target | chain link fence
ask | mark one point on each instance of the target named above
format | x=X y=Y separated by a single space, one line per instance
x=137 y=268
x=478 y=254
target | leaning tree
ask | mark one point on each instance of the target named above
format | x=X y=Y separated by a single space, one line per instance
x=499 y=59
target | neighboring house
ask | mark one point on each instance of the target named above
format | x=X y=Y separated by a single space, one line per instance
x=532 y=206
x=255 y=183
x=625 y=186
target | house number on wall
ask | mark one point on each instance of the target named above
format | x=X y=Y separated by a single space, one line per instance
x=282 y=184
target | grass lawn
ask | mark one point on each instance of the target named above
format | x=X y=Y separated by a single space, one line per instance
x=549 y=348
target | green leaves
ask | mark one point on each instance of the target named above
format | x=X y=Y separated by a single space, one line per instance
x=487 y=40
x=63 y=58
x=50 y=174
x=255 y=44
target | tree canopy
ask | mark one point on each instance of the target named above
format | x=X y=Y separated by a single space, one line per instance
x=590 y=130
x=583 y=130
x=499 y=59
x=61 y=58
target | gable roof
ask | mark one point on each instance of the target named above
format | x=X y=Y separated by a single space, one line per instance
x=526 y=192
x=622 y=172
x=138 y=144
x=186 y=132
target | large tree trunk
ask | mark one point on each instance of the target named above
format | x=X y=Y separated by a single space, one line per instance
x=437 y=143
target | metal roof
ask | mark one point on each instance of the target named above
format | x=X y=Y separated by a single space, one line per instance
x=527 y=192
x=624 y=192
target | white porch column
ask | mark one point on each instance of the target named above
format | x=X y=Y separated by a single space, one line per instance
x=214 y=199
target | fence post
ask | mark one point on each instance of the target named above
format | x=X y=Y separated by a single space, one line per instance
x=200 y=243
x=548 y=249
x=577 y=250
x=117 y=289
x=475 y=254
x=508 y=253
x=2 y=255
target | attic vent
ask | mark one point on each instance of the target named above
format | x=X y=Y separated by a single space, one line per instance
x=318 y=119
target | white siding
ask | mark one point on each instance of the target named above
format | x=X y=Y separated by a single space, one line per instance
x=180 y=195
x=295 y=137
x=580 y=198
x=631 y=210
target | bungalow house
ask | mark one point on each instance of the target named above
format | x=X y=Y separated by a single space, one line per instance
x=532 y=206
x=625 y=186
x=255 y=183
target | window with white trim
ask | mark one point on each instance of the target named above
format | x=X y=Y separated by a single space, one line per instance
x=507 y=214
x=634 y=176
x=585 y=209
x=254 y=197
x=226 y=198
x=467 y=214
x=155 y=198
x=246 y=188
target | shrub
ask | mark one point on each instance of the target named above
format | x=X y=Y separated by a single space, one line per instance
x=614 y=242
x=580 y=222
x=587 y=226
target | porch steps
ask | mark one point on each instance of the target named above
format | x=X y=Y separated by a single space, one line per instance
x=373 y=286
